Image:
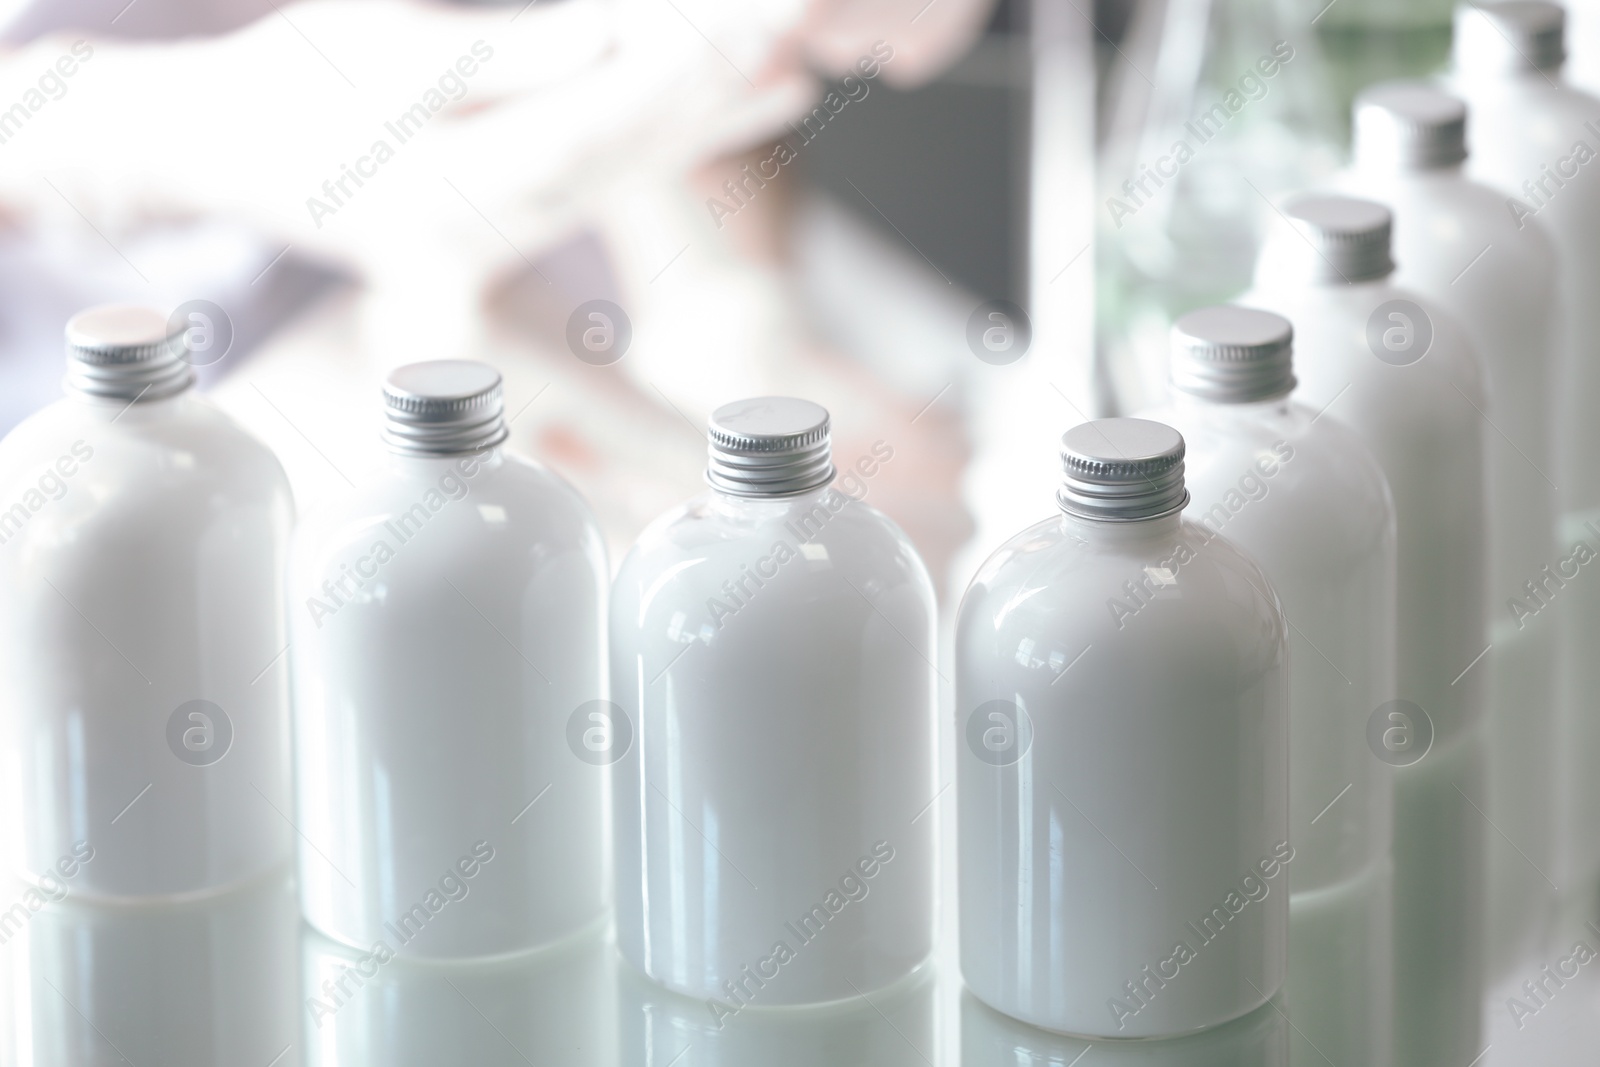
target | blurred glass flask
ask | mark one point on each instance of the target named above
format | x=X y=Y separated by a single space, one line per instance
x=1210 y=108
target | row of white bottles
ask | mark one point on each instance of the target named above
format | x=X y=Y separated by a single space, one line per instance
x=1145 y=791
x=1456 y=243
x=792 y=748
x=772 y=664
x=1535 y=140
x=769 y=732
x=1397 y=370
x=1495 y=237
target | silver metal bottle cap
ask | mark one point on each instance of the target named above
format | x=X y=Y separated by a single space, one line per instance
x=1339 y=239
x=1409 y=126
x=769 y=446
x=443 y=407
x=1511 y=36
x=1233 y=355
x=125 y=352
x=1122 y=470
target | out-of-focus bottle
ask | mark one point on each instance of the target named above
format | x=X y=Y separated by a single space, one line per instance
x=142 y=543
x=1310 y=504
x=1457 y=245
x=773 y=641
x=447 y=624
x=1398 y=370
x=1123 y=774
x=1536 y=140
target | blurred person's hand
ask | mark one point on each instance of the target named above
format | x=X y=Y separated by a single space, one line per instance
x=928 y=35
x=429 y=148
x=361 y=130
x=377 y=131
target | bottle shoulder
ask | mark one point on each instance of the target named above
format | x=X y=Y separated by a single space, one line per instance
x=1281 y=471
x=690 y=551
x=1531 y=137
x=1366 y=335
x=1163 y=607
x=1051 y=570
x=151 y=454
x=1509 y=98
x=1446 y=217
x=499 y=497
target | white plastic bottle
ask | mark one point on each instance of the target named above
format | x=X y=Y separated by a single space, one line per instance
x=1457 y=245
x=1123 y=769
x=142 y=542
x=1537 y=140
x=447 y=622
x=1398 y=371
x=772 y=642
x=1310 y=504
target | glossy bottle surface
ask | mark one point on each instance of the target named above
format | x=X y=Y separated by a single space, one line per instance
x=1309 y=503
x=1122 y=779
x=1535 y=141
x=776 y=657
x=447 y=624
x=1458 y=245
x=1422 y=420
x=142 y=548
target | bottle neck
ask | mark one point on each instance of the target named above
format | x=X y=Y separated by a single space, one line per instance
x=1250 y=409
x=1519 y=76
x=725 y=503
x=1411 y=172
x=1358 y=286
x=1141 y=531
x=428 y=463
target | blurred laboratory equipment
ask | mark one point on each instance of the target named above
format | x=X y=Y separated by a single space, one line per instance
x=1210 y=108
x=1365 y=42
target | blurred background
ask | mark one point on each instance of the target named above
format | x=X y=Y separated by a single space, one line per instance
x=826 y=197
x=960 y=225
